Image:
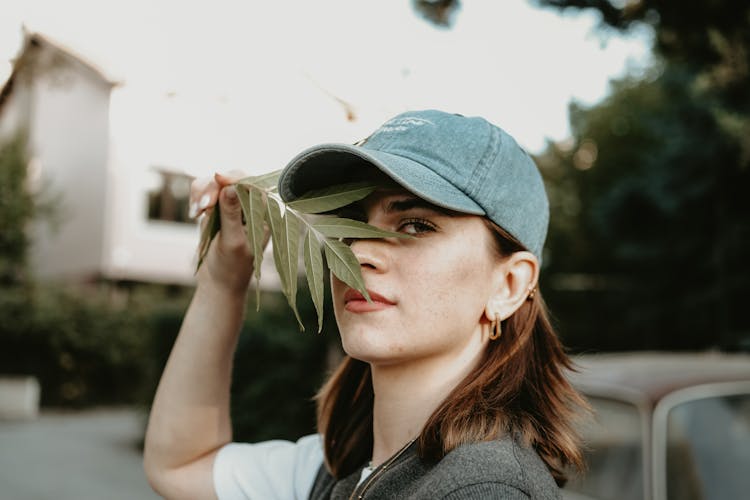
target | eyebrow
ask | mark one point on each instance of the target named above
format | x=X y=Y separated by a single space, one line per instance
x=403 y=205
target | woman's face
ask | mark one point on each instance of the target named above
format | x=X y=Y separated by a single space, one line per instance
x=429 y=292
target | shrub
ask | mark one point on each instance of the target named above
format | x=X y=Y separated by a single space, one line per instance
x=83 y=350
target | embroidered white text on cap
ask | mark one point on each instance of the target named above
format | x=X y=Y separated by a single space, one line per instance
x=402 y=124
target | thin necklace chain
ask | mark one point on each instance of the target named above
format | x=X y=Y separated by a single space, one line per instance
x=362 y=488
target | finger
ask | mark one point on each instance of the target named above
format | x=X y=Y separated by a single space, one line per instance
x=204 y=193
x=232 y=230
x=225 y=179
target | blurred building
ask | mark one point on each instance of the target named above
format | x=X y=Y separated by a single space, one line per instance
x=118 y=221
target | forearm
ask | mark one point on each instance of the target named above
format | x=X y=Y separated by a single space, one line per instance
x=190 y=413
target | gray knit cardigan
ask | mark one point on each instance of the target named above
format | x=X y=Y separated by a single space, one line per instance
x=500 y=469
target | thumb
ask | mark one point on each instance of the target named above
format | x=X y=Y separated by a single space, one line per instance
x=230 y=211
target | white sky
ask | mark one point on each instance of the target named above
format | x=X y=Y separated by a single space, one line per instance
x=246 y=84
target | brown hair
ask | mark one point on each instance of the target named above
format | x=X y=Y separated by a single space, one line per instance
x=518 y=387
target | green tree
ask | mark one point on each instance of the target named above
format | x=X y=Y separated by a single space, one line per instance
x=17 y=210
x=651 y=197
x=707 y=41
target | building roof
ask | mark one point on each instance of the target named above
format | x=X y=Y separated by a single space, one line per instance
x=648 y=376
x=32 y=45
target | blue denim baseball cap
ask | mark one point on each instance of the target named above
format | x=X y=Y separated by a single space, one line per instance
x=465 y=164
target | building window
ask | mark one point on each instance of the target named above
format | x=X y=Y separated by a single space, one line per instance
x=169 y=197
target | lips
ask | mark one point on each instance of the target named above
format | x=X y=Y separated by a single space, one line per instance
x=356 y=302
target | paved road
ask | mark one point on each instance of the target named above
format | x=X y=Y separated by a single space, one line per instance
x=87 y=455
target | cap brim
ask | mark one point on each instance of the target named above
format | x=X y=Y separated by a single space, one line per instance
x=329 y=164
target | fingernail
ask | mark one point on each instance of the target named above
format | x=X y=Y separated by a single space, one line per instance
x=205 y=199
x=231 y=194
x=193 y=210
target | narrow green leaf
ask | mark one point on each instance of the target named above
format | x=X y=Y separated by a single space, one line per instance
x=213 y=224
x=324 y=200
x=252 y=206
x=291 y=223
x=265 y=181
x=314 y=272
x=344 y=265
x=258 y=230
x=278 y=239
x=337 y=227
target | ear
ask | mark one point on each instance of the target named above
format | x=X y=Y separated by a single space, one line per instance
x=514 y=278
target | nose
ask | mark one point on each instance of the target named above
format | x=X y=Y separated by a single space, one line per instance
x=371 y=253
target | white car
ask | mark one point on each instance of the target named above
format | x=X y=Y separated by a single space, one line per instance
x=667 y=426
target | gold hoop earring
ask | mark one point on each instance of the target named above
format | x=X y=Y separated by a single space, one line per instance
x=496 y=328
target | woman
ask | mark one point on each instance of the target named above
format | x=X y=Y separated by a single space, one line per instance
x=453 y=385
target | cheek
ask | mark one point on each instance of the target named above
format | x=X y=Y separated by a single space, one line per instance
x=338 y=288
x=453 y=286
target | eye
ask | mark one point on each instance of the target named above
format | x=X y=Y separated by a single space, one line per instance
x=415 y=227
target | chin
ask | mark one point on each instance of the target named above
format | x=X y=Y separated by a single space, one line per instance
x=361 y=349
x=374 y=339
x=374 y=353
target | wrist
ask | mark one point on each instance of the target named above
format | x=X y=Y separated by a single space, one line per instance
x=229 y=282
x=232 y=292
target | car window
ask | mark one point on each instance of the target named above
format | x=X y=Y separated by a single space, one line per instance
x=614 y=453
x=708 y=449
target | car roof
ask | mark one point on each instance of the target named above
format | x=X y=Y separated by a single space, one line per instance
x=646 y=377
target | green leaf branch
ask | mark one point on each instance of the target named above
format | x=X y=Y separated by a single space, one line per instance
x=302 y=222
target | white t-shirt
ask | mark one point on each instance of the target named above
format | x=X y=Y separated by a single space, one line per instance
x=282 y=470
x=270 y=470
